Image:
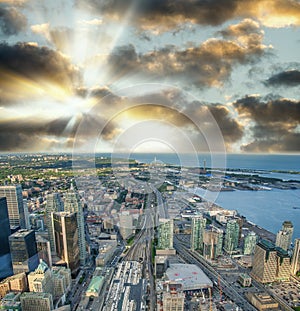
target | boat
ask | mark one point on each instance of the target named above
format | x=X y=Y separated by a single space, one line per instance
x=296 y=207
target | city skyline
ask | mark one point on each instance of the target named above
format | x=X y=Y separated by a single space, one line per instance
x=164 y=76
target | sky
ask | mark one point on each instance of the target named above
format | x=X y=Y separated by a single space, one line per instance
x=150 y=76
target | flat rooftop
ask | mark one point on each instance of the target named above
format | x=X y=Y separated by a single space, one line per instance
x=190 y=276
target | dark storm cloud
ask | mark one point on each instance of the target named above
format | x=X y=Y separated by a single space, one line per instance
x=275 y=123
x=38 y=64
x=209 y=64
x=11 y=21
x=285 y=78
x=162 y=15
x=272 y=111
x=31 y=134
x=232 y=131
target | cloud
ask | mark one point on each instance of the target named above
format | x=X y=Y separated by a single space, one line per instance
x=288 y=78
x=28 y=64
x=209 y=64
x=11 y=21
x=43 y=134
x=274 y=123
x=164 y=15
x=172 y=107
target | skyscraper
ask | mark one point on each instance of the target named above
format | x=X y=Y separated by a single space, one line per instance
x=295 y=265
x=23 y=251
x=198 y=227
x=250 y=243
x=15 y=206
x=72 y=204
x=5 y=259
x=231 y=236
x=165 y=234
x=44 y=251
x=270 y=263
x=66 y=238
x=212 y=243
x=284 y=236
x=54 y=204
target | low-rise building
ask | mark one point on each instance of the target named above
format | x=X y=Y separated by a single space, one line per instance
x=262 y=301
x=11 y=302
x=36 y=301
x=244 y=279
x=15 y=283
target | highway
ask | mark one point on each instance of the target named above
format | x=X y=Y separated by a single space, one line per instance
x=228 y=290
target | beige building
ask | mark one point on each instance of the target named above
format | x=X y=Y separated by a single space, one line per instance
x=244 y=279
x=270 y=263
x=262 y=301
x=41 y=279
x=295 y=265
x=15 y=283
x=172 y=297
x=36 y=302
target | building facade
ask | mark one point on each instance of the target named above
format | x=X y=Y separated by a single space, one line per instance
x=270 y=263
x=165 y=234
x=54 y=204
x=250 y=243
x=66 y=238
x=212 y=243
x=198 y=227
x=15 y=206
x=40 y=280
x=5 y=258
x=295 y=265
x=284 y=236
x=24 y=253
x=72 y=204
x=231 y=236
x=36 y=301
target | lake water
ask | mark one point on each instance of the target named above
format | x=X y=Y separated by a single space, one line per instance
x=267 y=209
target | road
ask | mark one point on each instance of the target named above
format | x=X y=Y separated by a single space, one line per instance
x=228 y=290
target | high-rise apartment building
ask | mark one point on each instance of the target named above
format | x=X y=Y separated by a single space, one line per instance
x=40 y=280
x=15 y=206
x=295 y=265
x=24 y=253
x=66 y=238
x=270 y=263
x=250 y=243
x=36 y=301
x=212 y=243
x=165 y=234
x=54 y=204
x=72 y=204
x=5 y=259
x=231 y=236
x=285 y=235
x=198 y=227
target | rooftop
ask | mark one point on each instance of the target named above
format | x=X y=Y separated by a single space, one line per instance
x=95 y=284
x=191 y=276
